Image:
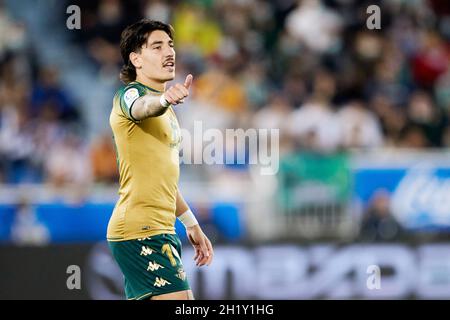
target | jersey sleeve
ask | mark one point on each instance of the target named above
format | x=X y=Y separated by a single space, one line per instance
x=127 y=98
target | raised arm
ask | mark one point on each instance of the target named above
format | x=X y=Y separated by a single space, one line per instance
x=154 y=106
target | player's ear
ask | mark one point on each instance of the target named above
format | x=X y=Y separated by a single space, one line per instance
x=136 y=60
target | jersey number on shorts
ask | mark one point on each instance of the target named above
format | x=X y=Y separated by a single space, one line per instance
x=166 y=249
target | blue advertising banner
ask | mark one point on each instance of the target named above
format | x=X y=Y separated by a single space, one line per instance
x=65 y=223
x=419 y=195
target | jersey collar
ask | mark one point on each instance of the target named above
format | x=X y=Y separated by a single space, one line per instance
x=149 y=88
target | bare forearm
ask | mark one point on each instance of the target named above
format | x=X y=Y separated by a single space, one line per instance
x=203 y=249
x=181 y=204
x=147 y=106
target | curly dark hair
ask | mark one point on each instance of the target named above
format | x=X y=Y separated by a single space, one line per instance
x=132 y=40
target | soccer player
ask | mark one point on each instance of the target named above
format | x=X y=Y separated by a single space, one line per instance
x=141 y=232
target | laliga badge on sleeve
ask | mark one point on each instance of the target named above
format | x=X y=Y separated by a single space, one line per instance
x=130 y=96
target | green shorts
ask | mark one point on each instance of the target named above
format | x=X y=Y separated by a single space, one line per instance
x=151 y=266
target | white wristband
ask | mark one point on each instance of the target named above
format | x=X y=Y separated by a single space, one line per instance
x=163 y=101
x=188 y=219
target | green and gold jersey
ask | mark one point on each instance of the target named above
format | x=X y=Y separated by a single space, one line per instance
x=148 y=162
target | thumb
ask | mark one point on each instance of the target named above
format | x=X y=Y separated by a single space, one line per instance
x=188 y=81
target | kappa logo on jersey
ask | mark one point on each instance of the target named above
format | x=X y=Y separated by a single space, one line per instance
x=160 y=282
x=130 y=96
x=146 y=251
x=152 y=266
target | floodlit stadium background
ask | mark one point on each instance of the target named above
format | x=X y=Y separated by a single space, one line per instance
x=364 y=176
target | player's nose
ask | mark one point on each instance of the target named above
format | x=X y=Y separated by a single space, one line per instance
x=169 y=53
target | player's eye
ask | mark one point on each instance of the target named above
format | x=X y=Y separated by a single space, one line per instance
x=157 y=47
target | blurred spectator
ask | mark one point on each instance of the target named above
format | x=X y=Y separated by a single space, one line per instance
x=359 y=126
x=414 y=137
x=101 y=34
x=12 y=35
x=393 y=119
x=275 y=116
x=302 y=24
x=16 y=135
x=26 y=229
x=108 y=20
x=442 y=91
x=314 y=125
x=103 y=160
x=432 y=59
x=425 y=115
x=47 y=93
x=195 y=31
x=221 y=89
x=446 y=137
x=67 y=163
x=255 y=86
x=47 y=131
x=378 y=223
x=157 y=10
x=389 y=77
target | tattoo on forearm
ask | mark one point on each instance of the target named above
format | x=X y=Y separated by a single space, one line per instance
x=146 y=107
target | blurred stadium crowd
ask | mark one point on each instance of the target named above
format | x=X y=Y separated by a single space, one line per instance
x=310 y=68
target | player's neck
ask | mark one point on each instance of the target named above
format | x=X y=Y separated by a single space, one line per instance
x=156 y=85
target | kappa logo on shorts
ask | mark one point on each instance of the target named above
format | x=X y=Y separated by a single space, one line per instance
x=181 y=274
x=160 y=282
x=152 y=266
x=146 y=251
x=142 y=239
